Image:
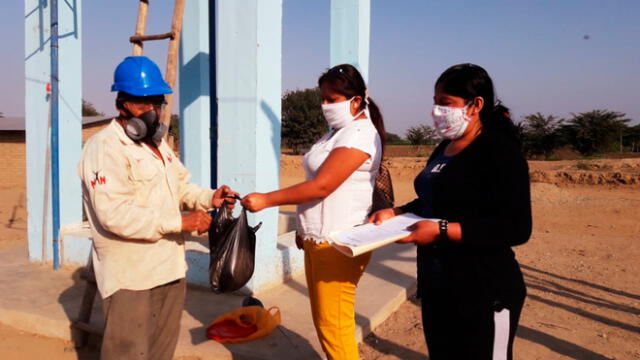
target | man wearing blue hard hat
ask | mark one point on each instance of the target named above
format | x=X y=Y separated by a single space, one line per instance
x=135 y=191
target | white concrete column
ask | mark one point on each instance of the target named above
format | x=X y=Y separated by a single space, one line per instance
x=37 y=75
x=248 y=56
x=350 y=29
x=195 y=105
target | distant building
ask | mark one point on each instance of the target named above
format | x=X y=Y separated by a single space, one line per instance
x=13 y=150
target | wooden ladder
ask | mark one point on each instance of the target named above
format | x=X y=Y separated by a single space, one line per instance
x=174 y=46
x=81 y=326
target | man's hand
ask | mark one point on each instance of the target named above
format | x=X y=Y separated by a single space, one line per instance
x=222 y=194
x=255 y=202
x=196 y=221
x=422 y=233
x=299 y=241
x=383 y=215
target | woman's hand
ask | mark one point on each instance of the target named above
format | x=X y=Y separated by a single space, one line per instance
x=224 y=194
x=383 y=215
x=422 y=233
x=255 y=202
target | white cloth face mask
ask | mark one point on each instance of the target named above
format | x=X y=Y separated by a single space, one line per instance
x=338 y=115
x=450 y=122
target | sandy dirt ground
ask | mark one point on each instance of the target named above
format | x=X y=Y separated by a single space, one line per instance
x=580 y=265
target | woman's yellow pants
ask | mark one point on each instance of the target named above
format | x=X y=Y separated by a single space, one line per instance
x=331 y=279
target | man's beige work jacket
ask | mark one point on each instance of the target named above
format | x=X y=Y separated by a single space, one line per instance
x=133 y=200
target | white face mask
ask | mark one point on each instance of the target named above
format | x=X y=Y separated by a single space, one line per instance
x=450 y=122
x=338 y=115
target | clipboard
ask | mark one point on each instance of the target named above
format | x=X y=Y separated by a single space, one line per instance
x=367 y=237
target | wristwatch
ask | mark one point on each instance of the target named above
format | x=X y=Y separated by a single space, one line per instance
x=444 y=226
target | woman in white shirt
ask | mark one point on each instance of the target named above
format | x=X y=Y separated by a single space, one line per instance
x=340 y=170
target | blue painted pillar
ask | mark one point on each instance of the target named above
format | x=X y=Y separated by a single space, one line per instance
x=195 y=105
x=195 y=116
x=350 y=29
x=248 y=60
x=37 y=102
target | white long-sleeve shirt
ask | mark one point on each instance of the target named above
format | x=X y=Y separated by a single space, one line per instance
x=133 y=201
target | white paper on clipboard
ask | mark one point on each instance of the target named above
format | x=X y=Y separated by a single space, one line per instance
x=367 y=237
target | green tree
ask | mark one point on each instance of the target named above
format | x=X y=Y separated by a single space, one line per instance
x=540 y=135
x=302 y=119
x=421 y=135
x=393 y=138
x=596 y=131
x=88 y=109
x=632 y=138
x=174 y=127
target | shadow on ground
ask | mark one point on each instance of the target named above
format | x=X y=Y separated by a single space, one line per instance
x=70 y=299
x=546 y=287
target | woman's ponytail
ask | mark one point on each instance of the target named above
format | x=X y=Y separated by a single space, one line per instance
x=498 y=119
x=378 y=122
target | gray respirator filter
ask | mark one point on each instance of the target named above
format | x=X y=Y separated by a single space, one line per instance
x=146 y=126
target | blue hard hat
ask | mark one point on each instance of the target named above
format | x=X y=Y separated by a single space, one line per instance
x=139 y=76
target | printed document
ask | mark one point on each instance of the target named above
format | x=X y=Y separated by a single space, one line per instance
x=367 y=237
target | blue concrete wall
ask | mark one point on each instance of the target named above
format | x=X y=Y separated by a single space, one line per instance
x=350 y=31
x=195 y=117
x=37 y=75
x=248 y=56
x=195 y=104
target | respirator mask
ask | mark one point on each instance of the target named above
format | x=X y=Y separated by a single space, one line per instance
x=146 y=126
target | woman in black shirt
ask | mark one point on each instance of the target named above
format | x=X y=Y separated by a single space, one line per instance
x=477 y=182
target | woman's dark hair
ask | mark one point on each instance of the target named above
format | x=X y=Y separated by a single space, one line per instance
x=469 y=81
x=346 y=80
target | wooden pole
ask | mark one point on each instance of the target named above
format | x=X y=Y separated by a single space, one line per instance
x=141 y=25
x=172 y=58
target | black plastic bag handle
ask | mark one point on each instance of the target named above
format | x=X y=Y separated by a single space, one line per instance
x=237 y=197
x=255 y=228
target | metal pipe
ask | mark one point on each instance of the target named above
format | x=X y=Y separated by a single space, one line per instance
x=55 y=176
x=213 y=130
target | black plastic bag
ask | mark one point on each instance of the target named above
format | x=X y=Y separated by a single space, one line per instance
x=232 y=244
x=220 y=222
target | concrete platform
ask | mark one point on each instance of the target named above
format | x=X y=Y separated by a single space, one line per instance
x=36 y=299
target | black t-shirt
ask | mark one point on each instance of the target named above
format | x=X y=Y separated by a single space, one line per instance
x=423 y=183
x=484 y=188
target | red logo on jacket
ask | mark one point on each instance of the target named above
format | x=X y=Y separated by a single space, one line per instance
x=97 y=179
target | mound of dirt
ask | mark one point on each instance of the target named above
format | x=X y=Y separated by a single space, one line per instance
x=587 y=172
x=585 y=177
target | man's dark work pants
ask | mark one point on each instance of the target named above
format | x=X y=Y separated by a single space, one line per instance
x=144 y=324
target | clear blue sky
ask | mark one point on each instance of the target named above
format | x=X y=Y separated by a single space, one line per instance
x=534 y=50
